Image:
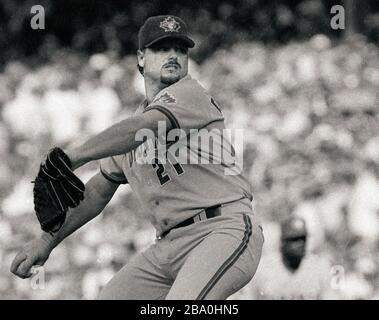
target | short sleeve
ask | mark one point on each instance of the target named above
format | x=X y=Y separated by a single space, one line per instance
x=187 y=105
x=111 y=168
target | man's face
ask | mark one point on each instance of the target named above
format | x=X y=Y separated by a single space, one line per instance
x=294 y=247
x=165 y=61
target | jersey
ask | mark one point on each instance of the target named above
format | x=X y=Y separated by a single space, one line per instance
x=173 y=191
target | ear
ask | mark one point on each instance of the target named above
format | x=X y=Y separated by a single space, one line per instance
x=141 y=58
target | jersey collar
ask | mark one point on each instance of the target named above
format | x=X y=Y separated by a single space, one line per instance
x=187 y=77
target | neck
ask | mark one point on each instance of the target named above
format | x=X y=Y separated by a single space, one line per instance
x=152 y=88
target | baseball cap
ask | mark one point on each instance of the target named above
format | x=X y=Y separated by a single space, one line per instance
x=157 y=28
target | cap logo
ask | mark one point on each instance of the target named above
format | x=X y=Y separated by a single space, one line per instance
x=170 y=25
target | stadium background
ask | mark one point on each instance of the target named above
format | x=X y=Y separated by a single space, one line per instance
x=306 y=96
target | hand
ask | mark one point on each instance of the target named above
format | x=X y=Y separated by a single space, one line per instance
x=35 y=252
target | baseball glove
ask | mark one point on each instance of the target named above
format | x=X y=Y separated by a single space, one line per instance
x=56 y=188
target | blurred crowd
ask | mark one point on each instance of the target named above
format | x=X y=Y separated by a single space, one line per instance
x=310 y=116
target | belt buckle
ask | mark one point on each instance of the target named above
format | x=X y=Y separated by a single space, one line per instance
x=200 y=216
x=203 y=215
x=196 y=218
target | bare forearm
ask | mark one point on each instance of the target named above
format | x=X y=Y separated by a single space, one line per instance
x=118 y=139
x=92 y=205
x=75 y=219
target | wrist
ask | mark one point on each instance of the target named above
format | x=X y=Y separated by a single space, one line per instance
x=75 y=158
x=49 y=239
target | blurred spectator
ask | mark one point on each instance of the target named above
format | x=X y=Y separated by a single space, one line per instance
x=290 y=271
x=363 y=218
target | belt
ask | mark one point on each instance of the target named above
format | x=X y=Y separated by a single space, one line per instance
x=208 y=213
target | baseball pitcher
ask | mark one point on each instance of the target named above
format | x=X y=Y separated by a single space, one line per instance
x=209 y=242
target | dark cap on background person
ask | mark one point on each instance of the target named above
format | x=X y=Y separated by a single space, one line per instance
x=157 y=28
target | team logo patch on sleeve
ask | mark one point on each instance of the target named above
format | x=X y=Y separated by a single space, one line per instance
x=165 y=98
x=170 y=25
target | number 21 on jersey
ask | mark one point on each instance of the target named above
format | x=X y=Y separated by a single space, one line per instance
x=160 y=170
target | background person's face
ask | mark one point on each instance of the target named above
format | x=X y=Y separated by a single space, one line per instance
x=166 y=61
x=294 y=247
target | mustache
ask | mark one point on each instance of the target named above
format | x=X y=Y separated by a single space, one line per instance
x=172 y=63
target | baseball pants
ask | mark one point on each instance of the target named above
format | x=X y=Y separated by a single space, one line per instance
x=209 y=259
